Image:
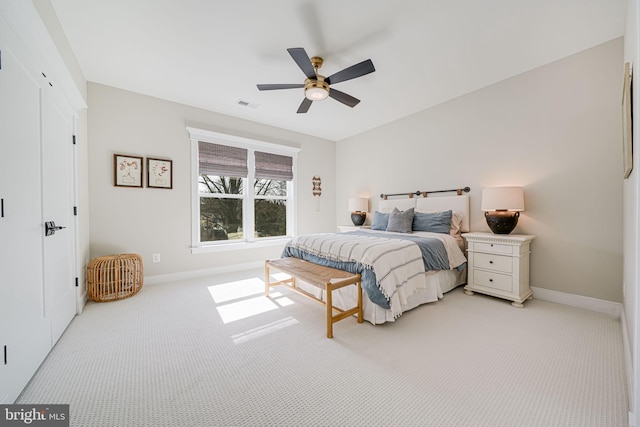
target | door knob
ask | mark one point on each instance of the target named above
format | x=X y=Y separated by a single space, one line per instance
x=50 y=228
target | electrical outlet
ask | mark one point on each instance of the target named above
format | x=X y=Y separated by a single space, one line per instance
x=156 y=257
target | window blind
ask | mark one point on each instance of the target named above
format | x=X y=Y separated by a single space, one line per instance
x=273 y=166
x=222 y=160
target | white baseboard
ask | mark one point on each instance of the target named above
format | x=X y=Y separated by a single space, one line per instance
x=81 y=301
x=194 y=274
x=628 y=365
x=594 y=304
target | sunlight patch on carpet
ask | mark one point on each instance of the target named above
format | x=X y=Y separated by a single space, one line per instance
x=235 y=290
x=264 y=330
x=245 y=308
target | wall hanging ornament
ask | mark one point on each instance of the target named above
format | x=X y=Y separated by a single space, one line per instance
x=317 y=190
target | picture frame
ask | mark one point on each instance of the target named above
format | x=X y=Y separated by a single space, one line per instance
x=127 y=170
x=159 y=173
x=627 y=121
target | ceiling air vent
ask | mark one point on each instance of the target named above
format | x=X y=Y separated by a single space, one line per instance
x=243 y=103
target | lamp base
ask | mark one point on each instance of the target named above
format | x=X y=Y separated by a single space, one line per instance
x=502 y=222
x=358 y=218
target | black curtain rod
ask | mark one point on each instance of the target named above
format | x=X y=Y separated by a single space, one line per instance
x=425 y=193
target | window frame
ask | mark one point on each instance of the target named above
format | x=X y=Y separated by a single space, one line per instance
x=252 y=145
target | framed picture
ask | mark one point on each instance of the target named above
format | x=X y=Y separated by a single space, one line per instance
x=627 y=129
x=159 y=173
x=127 y=170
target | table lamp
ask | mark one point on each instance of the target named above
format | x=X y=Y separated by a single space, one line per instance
x=502 y=207
x=358 y=207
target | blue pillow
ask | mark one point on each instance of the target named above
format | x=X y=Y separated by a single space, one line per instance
x=435 y=222
x=379 y=221
x=400 y=221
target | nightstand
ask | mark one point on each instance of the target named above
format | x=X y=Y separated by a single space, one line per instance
x=499 y=265
x=345 y=228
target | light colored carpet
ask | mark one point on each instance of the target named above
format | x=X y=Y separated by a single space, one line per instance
x=216 y=352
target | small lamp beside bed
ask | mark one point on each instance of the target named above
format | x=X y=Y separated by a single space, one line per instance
x=358 y=206
x=502 y=207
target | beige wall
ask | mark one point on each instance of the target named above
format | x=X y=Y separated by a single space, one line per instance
x=555 y=130
x=148 y=221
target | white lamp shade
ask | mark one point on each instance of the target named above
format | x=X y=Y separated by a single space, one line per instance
x=502 y=198
x=358 y=204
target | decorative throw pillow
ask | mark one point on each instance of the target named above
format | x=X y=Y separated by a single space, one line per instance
x=379 y=221
x=400 y=221
x=435 y=222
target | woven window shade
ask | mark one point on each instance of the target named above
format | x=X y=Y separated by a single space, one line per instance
x=222 y=160
x=273 y=166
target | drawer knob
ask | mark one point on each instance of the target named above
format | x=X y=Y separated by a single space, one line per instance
x=491 y=280
x=490 y=262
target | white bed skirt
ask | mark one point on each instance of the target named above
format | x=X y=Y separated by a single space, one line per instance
x=437 y=283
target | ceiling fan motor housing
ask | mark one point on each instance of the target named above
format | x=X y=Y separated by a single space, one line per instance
x=316 y=89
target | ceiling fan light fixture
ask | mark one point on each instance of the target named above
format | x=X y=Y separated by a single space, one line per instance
x=316 y=90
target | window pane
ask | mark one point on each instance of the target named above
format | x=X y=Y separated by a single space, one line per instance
x=219 y=184
x=271 y=218
x=220 y=219
x=270 y=187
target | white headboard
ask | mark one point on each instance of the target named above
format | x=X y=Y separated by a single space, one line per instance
x=386 y=206
x=431 y=204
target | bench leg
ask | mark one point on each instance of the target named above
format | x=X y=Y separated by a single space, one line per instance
x=329 y=304
x=266 y=278
x=360 y=319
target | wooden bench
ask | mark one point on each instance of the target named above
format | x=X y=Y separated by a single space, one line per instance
x=325 y=278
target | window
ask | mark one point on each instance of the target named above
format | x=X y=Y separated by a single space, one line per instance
x=243 y=189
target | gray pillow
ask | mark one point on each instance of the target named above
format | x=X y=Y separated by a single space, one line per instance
x=379 y=221
x=400 y=222
x=435 y=222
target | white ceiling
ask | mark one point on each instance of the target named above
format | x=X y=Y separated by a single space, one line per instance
x=212 y=53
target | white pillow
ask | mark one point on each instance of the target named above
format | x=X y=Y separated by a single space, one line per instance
x=456 y=223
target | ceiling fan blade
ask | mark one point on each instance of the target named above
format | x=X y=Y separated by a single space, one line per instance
x=280 y=86
x=302 y=59
x=343 y=97
x=304 y=107
x=364 y=67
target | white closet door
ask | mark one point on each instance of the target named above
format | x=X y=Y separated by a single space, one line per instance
x=57 y=197
x=25 y=331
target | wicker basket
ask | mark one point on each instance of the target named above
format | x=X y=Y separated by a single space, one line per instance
x=114 y=277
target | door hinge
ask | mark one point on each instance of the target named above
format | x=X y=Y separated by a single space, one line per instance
x=0 y=60
x=77 y=281
x=73 y=137
x=5 y=354
x=75 y=211
x=1 y=208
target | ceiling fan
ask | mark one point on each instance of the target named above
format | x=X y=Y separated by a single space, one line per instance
x=317 y=87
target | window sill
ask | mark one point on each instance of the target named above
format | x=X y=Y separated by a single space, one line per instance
x=240 y=246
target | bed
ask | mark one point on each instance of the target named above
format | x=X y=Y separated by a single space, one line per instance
x=403 y=265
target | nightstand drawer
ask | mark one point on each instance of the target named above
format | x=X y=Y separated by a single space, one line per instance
x=493 y=280
x=500 y=263
x=494 y=248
